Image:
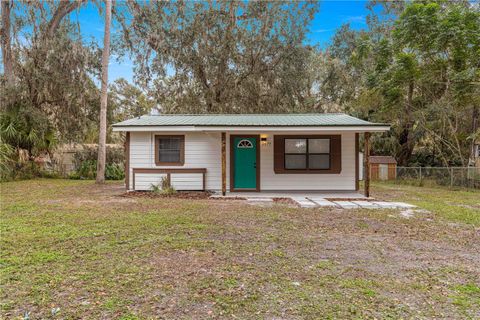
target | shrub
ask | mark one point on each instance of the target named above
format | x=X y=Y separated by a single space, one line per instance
x=114 y=155
x=13 y=167
x=85 y=162
x=164 y=188
x=6 y=160
x=114 y=171
x=155 y=188
x=87 y=169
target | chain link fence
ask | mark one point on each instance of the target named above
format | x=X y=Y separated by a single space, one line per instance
x=464 y=177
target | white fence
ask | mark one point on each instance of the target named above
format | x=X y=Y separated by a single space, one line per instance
x=465 y=177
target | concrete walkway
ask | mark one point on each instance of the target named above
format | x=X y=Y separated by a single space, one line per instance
x=343 y=200
x=307 y=202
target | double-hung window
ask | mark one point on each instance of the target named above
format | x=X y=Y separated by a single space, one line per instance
x=307 y=154
x=169 y=150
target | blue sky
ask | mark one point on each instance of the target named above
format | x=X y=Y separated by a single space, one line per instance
x=331 y=16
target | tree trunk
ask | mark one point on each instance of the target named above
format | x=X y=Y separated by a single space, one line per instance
x=6 y=42
x=405 y=138
x=475 y=116
x=406 y=145
x=102 y=138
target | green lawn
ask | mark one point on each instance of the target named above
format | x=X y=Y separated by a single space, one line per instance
x=460 y=205
x=70 y=249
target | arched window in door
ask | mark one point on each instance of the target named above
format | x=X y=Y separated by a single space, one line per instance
x=244 y=144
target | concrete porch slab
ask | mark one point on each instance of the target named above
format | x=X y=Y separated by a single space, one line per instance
x=260 y=199
x=302 y=194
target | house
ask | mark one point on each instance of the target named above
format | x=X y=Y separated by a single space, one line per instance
x=383 y=168
x=246 y=152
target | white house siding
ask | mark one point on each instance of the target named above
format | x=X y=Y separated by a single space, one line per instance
x=343 y=181
x=203 y=150
x=144 y=181
x=187 y=181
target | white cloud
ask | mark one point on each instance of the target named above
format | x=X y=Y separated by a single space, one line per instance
x=356 y=19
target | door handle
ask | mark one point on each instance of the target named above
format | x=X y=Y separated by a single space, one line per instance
x=255 y=165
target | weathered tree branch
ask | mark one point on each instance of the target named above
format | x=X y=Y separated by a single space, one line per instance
x=64 y=8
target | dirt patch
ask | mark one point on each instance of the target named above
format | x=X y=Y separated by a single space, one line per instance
x=286 y=201
x=228 y=198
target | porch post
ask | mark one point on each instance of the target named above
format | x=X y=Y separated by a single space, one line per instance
x=224 y=163
x=127 y=160
x=367 y=164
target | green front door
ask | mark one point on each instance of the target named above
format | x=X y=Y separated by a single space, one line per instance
x=245 y=163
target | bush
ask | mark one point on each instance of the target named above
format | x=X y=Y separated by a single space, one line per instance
x=114 y=171
x=88 y=171
x=90 y=153
x=26 y=171
x=6 y=160
x=85 y=162
x=164 y=188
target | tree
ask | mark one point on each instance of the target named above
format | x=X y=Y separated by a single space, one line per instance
x=6 y=42
x=211 y=57
x=51 y=66
x=128 y=101
x=418 y=71
x=102 y=137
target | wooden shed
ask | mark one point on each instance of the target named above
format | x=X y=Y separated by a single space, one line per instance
x=383 y=167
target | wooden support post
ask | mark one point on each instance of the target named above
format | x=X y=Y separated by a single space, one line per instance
x=224 y=163
x=367 y=164
x=357 y=163
x=127 y=161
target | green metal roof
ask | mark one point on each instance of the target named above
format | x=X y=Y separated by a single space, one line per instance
x=245 y=120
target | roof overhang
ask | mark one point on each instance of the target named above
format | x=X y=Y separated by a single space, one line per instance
x=370 y=128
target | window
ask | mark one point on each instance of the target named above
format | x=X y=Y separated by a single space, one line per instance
x=245 y=144
x=169 y=150
x=307 y=153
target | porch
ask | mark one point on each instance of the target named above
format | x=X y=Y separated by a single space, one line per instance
x=294 y=194
x=339 y=149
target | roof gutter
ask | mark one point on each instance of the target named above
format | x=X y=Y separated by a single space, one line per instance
x=350 y=128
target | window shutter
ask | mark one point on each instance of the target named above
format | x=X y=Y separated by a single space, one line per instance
x=335 y=154
x=278 y=152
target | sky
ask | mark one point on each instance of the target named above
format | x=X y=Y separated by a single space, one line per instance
x=331 y=16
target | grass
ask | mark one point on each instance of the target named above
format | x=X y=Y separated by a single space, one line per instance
x=70 y=249
x=456 y=205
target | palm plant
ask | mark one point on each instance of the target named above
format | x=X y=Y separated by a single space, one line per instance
x=22 y=128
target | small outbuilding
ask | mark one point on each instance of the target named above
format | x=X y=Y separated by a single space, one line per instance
x=383 y=168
